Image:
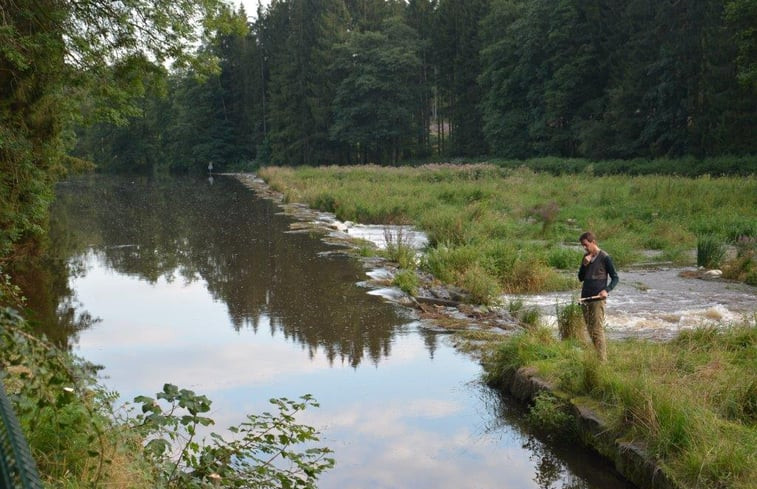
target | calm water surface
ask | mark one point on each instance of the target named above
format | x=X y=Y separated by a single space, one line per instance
x=202 y=285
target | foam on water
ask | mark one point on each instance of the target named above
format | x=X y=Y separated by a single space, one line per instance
x=378 y=234
x=659 y=303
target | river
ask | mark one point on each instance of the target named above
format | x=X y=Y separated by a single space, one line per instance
x=202 y=284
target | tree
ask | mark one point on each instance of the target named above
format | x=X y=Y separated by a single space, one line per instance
x=742 y=16
x=457 y=45
x=511 y=78
x=373 y=107
x=419 y=15
x=56 y=54
x=300 y=92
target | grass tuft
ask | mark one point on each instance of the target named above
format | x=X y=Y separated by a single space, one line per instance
x=407 y=281
x=710 y=251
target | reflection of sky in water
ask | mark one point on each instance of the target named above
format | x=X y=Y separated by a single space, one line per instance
x=409 y=420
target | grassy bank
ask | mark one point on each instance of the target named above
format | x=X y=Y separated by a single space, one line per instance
x=692 y=402
x=494 y=229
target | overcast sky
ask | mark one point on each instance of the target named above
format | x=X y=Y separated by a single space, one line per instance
x=250 y=6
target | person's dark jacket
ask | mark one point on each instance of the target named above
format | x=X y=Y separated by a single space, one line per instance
x=594 y=275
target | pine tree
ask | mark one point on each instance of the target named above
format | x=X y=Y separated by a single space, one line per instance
x=457 y=45
x=373 y=107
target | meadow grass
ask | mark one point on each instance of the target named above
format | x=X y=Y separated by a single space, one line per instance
x=513 y=229
x=692 y=401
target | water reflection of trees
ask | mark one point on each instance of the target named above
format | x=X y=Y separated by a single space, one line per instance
x=44 y=278
x=558 y=462
x=186 y=229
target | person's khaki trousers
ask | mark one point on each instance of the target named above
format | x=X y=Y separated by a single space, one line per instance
x=594 y=315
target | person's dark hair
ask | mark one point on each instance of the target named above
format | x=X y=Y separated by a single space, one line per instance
x=588 y=236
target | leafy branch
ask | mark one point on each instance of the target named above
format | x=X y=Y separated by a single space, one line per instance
x=260 y=453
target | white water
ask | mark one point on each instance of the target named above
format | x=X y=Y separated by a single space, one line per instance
x=658 y=303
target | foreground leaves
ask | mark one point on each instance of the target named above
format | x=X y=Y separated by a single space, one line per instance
x=80 y=439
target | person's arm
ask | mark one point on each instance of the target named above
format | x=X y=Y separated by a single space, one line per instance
x=610 y=267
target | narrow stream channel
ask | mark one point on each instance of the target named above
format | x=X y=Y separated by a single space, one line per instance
x=200 y=285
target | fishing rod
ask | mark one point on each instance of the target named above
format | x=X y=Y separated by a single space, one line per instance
x=592 y=298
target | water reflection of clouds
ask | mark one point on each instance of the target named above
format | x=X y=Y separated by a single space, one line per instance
x=161 y=335
x=397 y=411
x=390 y=448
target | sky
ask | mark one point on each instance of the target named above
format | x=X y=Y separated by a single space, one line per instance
x=250 y=6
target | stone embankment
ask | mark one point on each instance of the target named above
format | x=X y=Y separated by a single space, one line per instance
x=630 y=458
x=446 y=308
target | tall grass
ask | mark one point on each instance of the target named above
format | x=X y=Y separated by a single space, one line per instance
x=710 y=251
x=692 y=401
x=508 y=225
x=570 y=322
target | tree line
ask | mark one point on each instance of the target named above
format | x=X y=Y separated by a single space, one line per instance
x=358 y=81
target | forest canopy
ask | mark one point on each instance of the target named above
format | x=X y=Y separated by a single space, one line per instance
x=64 y=62
x=383 y=81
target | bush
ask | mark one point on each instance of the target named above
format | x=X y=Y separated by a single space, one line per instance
x=399 y=249
x=564 y=258
x=483 y=288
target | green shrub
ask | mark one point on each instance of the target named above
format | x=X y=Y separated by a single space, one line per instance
x=482 y=286
x=447 y=262
x=564 y=258
x=399 y=249
x=530 y=317
x=514 y=306
x=551 y=415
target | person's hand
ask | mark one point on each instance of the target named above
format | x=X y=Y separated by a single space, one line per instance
x=587 y=258
x=603 y=294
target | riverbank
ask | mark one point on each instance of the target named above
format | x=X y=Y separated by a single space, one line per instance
x=615 y=410
x=678 y=414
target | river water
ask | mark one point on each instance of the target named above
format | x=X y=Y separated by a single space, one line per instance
x=659 y=302
x=202 y=285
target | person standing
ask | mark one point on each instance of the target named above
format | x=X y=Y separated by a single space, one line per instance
x=596 y=268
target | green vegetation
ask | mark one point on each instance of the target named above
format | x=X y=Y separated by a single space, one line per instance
x=692 y=401
x=494 y=229
x=573 y=83
x=744 y=266
x=353 y=82
x=407 y=281
x=570 y=322
x=68 y=62
x=710 y=251
x=80 y=439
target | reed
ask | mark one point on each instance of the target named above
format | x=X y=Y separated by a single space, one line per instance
x=710 y=251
